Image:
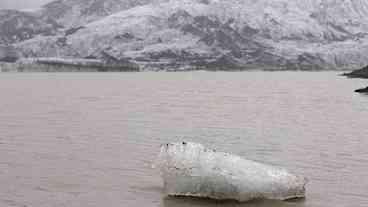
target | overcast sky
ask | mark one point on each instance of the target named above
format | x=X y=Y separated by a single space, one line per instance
x=21 y=4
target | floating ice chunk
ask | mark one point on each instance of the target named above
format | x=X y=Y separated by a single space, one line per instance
x=190 y=169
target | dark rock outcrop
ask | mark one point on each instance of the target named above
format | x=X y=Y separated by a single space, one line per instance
x=72 y=30
x=362 y=90
x=361 y=73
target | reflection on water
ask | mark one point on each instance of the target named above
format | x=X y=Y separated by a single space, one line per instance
x=195 y=202
x=89 y=139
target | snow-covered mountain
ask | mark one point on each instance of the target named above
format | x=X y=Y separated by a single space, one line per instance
x=216 y=34
x=16 y=26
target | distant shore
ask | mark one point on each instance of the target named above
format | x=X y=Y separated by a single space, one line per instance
x=66 y=65
x=46 y=64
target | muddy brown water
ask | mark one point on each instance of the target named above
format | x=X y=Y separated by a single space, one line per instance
x=89 y=139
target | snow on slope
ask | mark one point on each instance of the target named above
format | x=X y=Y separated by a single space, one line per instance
x=16 y=26
x=304 y=34
x=73 y=13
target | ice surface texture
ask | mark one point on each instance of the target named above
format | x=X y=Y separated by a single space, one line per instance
x=190 y=169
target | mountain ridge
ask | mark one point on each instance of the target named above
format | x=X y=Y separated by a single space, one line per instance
x=242 y=34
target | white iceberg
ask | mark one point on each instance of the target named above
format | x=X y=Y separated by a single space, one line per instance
x=190 y=169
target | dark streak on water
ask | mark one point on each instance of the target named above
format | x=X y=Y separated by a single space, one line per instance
x=88 y=139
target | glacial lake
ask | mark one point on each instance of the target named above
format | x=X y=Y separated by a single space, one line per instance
x=89 y=139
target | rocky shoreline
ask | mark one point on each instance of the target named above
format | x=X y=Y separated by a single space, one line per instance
x=361 y=73
x=362 y=90
x=66 y=65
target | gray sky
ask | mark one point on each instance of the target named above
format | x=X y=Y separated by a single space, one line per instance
x=21 y=4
